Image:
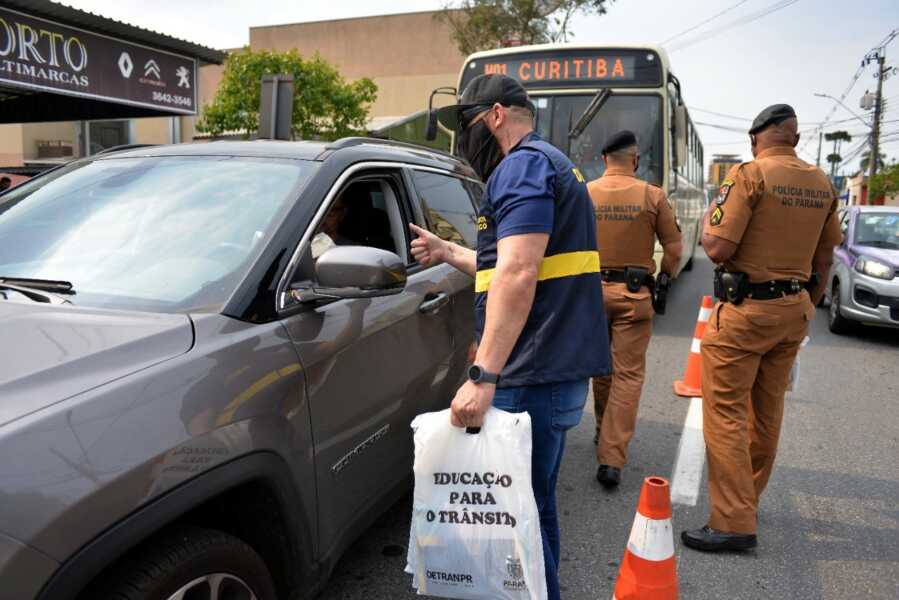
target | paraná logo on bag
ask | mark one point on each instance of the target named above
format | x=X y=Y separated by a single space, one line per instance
x=516 y=580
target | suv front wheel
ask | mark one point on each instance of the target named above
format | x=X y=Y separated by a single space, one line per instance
x=194 y=564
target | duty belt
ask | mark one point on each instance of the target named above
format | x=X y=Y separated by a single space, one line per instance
x=771 y=290
x=619 y=276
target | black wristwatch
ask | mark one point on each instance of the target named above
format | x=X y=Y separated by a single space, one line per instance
x=478 y=375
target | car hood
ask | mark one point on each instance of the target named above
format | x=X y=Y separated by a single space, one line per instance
x=53 y=352
x=884 y=255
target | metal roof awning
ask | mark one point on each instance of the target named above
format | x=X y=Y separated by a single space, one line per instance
x=61 y=64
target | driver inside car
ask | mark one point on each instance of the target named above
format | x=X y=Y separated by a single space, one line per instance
x=327 y=235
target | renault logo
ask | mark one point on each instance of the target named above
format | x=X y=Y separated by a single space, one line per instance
x=125 y=65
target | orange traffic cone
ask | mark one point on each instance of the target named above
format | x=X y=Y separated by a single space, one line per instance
x=648 y=570
x=690 y=385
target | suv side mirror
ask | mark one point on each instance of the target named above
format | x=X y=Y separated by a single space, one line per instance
x=354 y=272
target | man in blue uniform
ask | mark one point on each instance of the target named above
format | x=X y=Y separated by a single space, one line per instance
x=539 y=317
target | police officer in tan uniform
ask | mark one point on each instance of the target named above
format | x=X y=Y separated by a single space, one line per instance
x=771 y=227
x=630 y=214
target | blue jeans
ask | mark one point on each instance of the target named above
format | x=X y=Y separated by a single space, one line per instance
x=554 y=409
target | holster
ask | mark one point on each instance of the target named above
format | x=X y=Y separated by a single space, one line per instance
x=812 y=282
x=660 y=293
x=731 y=287
x=636 y=278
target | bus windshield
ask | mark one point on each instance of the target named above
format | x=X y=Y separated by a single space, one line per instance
x=641 y=113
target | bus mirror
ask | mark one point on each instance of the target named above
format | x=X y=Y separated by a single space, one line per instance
x=431 y=132
x=680 y=134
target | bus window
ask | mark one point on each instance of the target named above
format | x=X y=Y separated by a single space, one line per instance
x=642 y=114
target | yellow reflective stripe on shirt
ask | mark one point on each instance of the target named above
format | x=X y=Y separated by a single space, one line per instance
x=567 y=264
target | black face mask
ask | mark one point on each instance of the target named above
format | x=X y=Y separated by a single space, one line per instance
x=480 y=148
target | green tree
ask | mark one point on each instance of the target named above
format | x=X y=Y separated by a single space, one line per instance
x=866 y=160
x=834 y=159
x=885 y=182
x=325 y=106
x=836 y=137
x=486 y=24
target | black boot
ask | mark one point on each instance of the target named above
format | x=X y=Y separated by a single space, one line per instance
x=608 y=476
x=712 y=540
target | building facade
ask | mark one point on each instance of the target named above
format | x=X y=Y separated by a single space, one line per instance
x=719 y=167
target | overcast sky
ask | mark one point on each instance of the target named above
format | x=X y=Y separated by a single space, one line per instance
x=734 y=65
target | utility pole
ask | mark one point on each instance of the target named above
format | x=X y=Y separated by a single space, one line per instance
x=820 y=137
x=877 y=55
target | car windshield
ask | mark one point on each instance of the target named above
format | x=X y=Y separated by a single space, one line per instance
x=877 y=229
x=158 y=234
x=642 y=114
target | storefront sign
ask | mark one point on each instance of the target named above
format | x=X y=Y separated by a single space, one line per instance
x=43 y=55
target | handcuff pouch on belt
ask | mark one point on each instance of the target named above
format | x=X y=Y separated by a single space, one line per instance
x=731 y=287
x=660 y=293
x=635 y=278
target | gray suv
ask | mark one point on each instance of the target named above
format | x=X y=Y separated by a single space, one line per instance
x=211 y=355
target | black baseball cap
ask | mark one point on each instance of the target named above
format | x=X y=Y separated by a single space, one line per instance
x=774 y=114
x=480 y=94
x=623 y=139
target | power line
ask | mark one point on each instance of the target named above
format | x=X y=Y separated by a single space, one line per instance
x=724 y=127
x=745 y=20
x=700 y=24
x=858 y=73
x=718 y=114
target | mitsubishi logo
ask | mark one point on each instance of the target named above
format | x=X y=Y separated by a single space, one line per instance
x=125 y=65
x=151 y=68
x=182 y=74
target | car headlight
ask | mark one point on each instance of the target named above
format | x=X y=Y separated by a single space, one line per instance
x=874 y=268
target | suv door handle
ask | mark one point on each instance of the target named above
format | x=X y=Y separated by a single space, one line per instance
x=433 y=303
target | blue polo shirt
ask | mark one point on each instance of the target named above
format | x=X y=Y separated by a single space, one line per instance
x=536 y=189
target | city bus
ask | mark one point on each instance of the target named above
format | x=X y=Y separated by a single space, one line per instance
x=585 y=93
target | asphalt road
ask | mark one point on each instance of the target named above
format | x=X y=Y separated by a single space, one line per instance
x=829 y=520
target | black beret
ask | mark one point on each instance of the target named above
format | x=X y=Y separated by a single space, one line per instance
x=480 y=94
x=622 y=139
x=772 y=115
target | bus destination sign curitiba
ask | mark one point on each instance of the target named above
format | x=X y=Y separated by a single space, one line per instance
x=572 y=68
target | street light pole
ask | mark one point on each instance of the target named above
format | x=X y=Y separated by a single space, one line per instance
x=820 y=137
x=837 y=100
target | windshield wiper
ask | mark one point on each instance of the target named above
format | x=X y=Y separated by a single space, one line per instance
x=32 y=294
x=589 y=113
x=47 y=285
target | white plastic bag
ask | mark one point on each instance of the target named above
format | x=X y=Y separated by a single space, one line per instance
x=793 y=384
x=475 y=529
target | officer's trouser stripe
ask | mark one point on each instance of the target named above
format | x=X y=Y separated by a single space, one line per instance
x=568 y=264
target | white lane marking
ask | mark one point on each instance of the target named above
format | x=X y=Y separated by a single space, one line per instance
x=687 y=473
x=651 y=539
x=696 y=346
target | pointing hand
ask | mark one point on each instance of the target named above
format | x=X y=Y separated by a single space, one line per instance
x=427 y=248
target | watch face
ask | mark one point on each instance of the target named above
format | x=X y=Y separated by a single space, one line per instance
x=474 y=373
